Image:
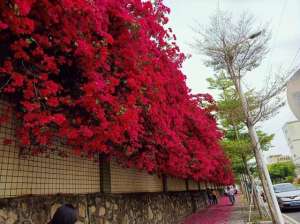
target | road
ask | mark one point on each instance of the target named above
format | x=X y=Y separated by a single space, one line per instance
x=295 y=214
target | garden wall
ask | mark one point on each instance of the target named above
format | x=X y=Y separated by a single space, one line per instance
x=146 y=208
x=55 y=171
x=58 y=170
x=32 y=187
x=132 y=180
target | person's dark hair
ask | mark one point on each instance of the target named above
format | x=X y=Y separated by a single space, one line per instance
x=65 y=214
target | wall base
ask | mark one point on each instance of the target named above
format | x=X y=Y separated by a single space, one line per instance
x=137 y=208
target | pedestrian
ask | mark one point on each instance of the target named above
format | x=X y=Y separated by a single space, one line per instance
x=230 y=192
x=65 y=214
x=209 y=196
x=215 y=197
x=235 y=189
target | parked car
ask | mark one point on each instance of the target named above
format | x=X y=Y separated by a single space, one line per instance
x=288 y=196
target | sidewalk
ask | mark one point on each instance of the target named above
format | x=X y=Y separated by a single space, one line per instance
x=222 y=213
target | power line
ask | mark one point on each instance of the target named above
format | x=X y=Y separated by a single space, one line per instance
x=277 y=30
x=280 y=19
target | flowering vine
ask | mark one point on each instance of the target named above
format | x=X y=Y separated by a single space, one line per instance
x=104 y=76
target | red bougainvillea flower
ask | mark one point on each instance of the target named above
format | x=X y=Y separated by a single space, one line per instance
x=105 y=77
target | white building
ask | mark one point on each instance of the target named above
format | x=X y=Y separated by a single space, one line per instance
x=278 y=158
x=292 y=134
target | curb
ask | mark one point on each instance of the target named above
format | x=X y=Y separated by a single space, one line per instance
x=290 y=220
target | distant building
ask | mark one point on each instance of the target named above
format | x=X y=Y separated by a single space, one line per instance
x=293 y=94
x=278 y=158
x=292 y=135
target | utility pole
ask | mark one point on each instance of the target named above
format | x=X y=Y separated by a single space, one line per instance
x=235 y=76
x=261 y=166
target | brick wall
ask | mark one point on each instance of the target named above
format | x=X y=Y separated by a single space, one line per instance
x=202 y=186
x=51 y=173
x=46 y=173
x=124 y=180
x=175 y=184
x=193 y=185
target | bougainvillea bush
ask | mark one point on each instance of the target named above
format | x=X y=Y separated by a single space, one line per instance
x=104 y=76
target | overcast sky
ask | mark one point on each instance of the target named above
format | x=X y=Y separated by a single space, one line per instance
x=284 y=19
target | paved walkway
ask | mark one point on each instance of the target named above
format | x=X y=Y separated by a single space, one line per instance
x=223 y=213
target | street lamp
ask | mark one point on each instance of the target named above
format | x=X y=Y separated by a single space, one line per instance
x=254 y=35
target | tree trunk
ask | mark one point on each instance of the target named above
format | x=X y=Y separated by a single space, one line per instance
x=255 y=196
x=261 y=166
x=245 y=187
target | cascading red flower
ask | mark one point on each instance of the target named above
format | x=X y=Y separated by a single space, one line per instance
x=104 y=75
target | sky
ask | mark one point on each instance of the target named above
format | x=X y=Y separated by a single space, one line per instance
x=283 y=18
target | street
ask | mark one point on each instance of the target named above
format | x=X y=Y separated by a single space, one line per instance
x=294 y=214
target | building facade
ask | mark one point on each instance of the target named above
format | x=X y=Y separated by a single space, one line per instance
x=292 y=133
x=278 y=158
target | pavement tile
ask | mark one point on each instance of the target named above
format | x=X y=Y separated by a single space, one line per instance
x=222 y=213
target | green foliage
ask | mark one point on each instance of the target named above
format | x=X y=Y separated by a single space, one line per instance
x=230 y=112
x=290 y=179
x=282 y=172
x=234 y=149
x=236 y=142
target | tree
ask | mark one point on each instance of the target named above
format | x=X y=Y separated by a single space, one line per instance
x=238 y=48
x=99 y=76
x=282 y=171
x=236 y=141
x=241 y=151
